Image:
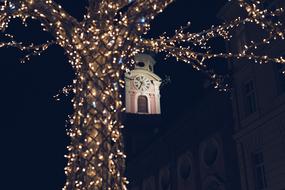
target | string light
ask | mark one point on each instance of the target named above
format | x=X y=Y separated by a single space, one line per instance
x=101 y=48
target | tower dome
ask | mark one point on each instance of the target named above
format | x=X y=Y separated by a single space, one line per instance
x=144 y=61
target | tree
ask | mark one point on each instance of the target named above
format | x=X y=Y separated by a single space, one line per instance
x=100 y=48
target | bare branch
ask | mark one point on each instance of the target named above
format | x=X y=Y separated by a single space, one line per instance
x=50 y=14
x=65 y=91
x=31 y=50
x=105 y=9
x=265 y=17
x=197 y=59
x=203 y=37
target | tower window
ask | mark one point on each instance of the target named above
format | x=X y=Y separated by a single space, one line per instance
x=141 y=64
x=142 y=104
x=259 y=171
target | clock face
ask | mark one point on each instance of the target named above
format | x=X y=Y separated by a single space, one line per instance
x=142 y=83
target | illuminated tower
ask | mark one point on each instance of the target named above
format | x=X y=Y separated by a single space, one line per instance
x=142 y=87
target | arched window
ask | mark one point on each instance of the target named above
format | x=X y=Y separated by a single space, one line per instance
x=141 y=64
x=142 y=104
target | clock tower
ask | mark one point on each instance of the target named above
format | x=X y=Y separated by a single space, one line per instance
x=142 y=87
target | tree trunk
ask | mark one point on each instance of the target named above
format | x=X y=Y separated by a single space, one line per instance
x=96 y=159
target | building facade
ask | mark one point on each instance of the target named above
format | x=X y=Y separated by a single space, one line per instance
x=258 y=108
x=197 y=152
x=239 y=144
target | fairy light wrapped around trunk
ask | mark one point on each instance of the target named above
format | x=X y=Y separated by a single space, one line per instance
x=96 y=159
x=101 y=48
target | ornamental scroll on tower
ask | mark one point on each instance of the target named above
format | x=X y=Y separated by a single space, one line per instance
x=143 y=87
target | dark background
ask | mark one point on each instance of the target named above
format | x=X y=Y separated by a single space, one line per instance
x=33 y=139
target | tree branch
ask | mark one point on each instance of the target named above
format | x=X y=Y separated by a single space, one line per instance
x=264 y=17
x=105 y=9
x=32 y=50
x=53 y=18
x=141 y=12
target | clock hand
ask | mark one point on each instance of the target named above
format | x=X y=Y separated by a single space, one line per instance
x=140 y=85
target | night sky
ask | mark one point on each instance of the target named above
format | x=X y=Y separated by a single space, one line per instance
x=33 y=139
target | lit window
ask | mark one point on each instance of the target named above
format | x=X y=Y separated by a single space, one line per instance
x=142 y=104
x=249 y=97
x=259 y=171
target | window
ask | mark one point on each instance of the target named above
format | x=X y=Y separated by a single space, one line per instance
x=249 y=97
x=240 y=39
x=280 y=78
x=185 y=168
x=142 y=104
x=241 y=42
x=164 y=179
x=210 y=153
x=259 y=171
x=141 y=64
